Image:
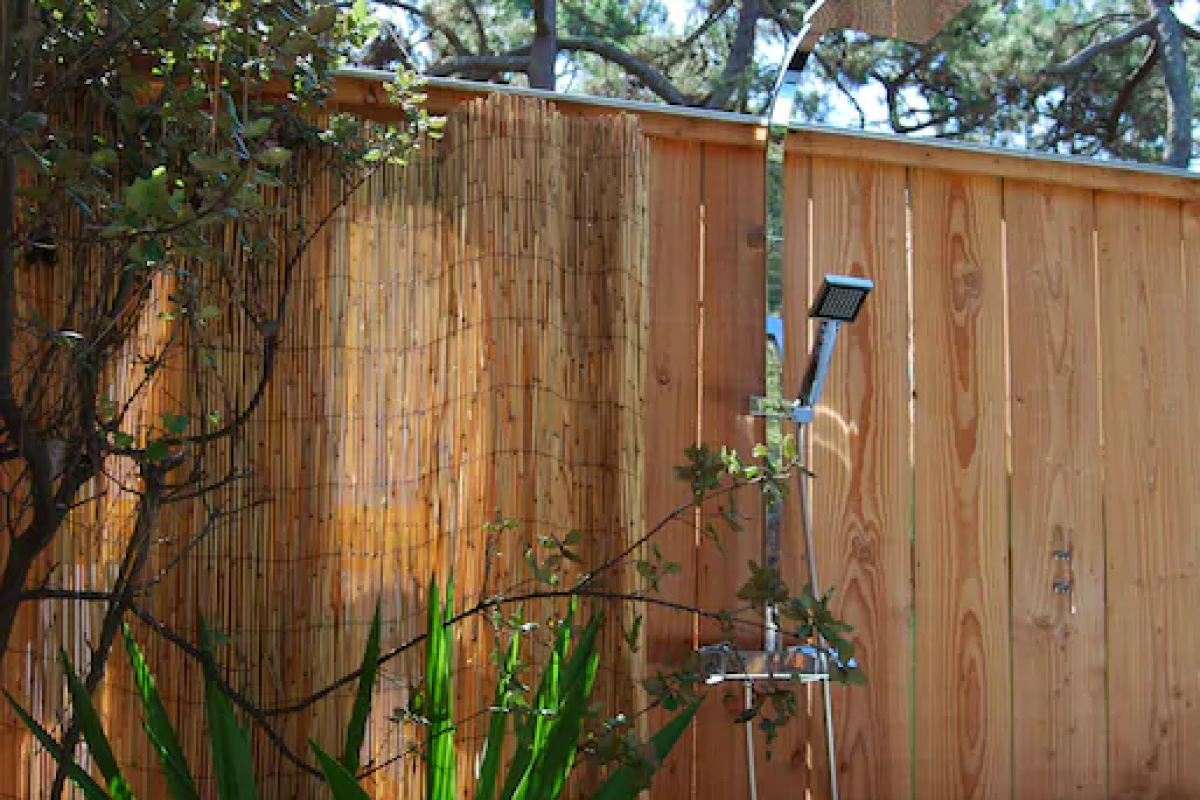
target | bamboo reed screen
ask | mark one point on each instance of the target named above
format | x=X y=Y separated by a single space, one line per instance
x=467 y=340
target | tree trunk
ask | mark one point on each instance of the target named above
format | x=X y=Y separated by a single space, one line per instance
x=544 y=51
x=741 y=54
x=1169 y=33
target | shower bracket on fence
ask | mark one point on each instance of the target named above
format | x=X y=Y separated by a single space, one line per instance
x=722 y=662
x=775 y=408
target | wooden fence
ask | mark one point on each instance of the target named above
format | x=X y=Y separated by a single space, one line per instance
x=1020 y=383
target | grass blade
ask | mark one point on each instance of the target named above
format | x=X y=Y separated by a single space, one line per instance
x=356 y=731
x=93 y=732
x=621 y=785
x=154 y=719
x=493 y=747
x=341 y=781
x=441 y=765
x=232 y=758
x=91 y=790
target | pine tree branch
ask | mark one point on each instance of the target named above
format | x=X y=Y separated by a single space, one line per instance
x=741 y=55
x=518 y=61
x=1127 y=91
x=1081 y=59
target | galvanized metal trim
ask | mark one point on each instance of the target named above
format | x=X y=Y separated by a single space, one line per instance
x=750 y=120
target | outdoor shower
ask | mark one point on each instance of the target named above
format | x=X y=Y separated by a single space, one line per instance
x=838 y=301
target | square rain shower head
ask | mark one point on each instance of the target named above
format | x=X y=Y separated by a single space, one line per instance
x=841 y=298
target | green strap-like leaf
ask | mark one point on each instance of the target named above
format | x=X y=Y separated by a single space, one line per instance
x=93 y=733
x=533 y=729
x=91 y=790
x=553 y=764
x=158 y=727
x=621 y=785
x=341 y=781
x=356 y=731
x=233 y=761
x=441 y=764
x=493 y=747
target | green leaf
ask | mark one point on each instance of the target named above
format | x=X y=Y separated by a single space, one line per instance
x=553 y=765
x=209 y=312
x=493 y=748
x=102 y=159
x=175 y=423
x=274 y=156
x=93 y=732
x=30 y=122
x=622 y=784
x=356 y=730
x=210 y=165
x=91 y=790
x=122 y=440
x=149 y=196
x=158 y=727
x=233 y=761
x=534 y=730
x=157 y=451
x=322 y=19
x=256 y=129
x=440 y=765
x=341 y=781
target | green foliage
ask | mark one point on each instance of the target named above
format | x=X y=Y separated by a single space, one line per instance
x=985 y=78
x=159 y=127
x=228 y=739
x=158 y=728
x=549 y=732
x=626 y=781
x=507 y=693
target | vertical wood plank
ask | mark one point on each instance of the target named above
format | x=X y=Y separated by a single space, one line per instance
x=672 y=405
x=1150 y=479
x=733 y=345
x=1059 y=703
x=862 y=491
x=963 y=733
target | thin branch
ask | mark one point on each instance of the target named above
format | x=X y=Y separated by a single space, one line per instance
x=683 y=48
x=850 y=94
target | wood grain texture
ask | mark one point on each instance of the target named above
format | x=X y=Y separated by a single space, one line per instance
x=862 y=491
x=963 y=692
x=732 y=357
x=1149 y=424
x=672 y=405
x=1059 y=700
